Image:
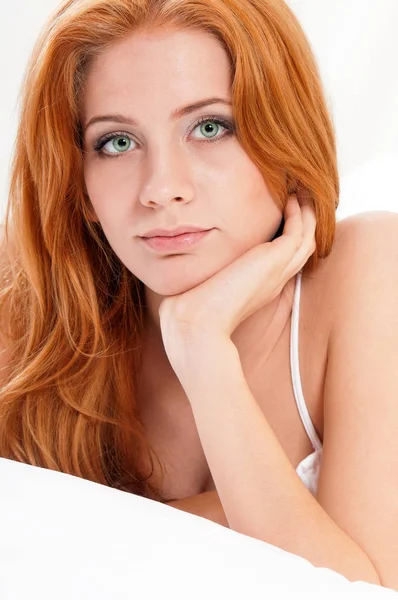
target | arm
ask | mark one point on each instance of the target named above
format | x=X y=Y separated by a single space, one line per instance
x=260 y=491
x=205 y=505
x=352 y=525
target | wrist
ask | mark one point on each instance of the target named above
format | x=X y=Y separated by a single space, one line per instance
x=205 y=351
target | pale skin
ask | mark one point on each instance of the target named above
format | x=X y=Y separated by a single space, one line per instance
x=166 y=177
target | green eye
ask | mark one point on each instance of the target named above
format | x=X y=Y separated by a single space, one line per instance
x=209 y=127
x=121 y=143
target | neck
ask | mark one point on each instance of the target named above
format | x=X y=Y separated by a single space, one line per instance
x=257 y=336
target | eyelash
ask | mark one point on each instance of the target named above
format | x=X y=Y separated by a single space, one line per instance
x=229 y=127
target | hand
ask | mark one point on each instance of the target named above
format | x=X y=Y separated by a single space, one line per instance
x=206 y=504
x=218 y=305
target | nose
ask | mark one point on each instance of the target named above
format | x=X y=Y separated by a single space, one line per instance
x=166 y=178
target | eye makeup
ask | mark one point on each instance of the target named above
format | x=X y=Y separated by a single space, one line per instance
x=228 y=126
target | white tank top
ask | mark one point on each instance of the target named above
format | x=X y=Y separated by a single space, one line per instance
x=308 y=469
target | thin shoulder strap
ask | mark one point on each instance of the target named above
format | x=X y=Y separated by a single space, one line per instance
x=295 y=367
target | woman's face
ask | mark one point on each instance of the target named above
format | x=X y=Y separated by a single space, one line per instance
x=161 y=172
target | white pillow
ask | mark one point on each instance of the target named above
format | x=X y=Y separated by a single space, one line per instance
x=63 y=537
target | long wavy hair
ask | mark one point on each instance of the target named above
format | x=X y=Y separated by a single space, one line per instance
x=71 y=314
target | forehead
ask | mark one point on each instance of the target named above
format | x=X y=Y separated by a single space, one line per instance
x=148 y=66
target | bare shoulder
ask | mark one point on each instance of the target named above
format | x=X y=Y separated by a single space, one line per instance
x=363 y=239
x=353 y=232
x=362 y=234
x=364 y=243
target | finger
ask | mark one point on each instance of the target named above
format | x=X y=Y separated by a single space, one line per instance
x=293 y=228
x=308 y=245
x=292 y=236
x=309 y=224
x=297 y=242
x=283 y=250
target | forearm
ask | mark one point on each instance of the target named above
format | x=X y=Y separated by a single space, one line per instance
x=206 y=504
x=259 y=489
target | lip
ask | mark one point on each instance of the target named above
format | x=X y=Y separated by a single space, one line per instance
x=164 y=244
x=173 y=232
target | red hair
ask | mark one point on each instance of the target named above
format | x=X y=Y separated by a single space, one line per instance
x=72 y=314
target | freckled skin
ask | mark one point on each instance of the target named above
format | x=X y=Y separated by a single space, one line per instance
x=167 y=173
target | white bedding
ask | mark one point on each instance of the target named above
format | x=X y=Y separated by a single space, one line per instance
x=62 y=537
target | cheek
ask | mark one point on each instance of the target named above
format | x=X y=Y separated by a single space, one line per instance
x=100 y=179
x=257 y=215
x=108 y=199
x=93 y=186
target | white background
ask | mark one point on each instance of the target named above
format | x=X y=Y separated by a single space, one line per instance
x=356 y=47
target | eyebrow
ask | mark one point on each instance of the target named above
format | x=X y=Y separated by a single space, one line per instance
x=176 y=114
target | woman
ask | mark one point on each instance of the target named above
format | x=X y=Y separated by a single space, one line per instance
x=122 y=345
